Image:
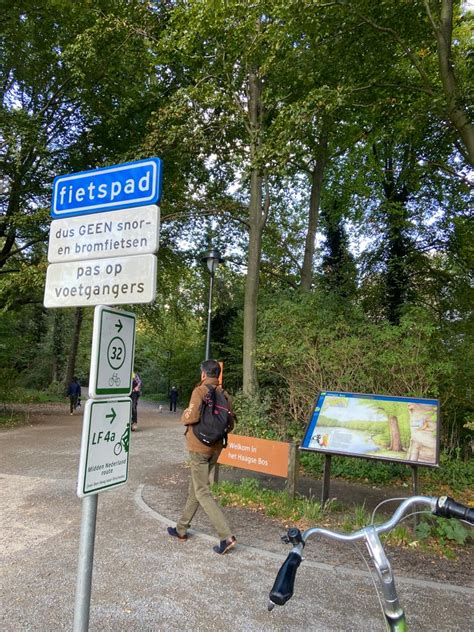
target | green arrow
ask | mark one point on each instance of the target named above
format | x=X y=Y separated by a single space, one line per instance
x=119 y=326
x=113 y=415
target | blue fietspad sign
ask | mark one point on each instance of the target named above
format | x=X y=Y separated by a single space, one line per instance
x=108 y=189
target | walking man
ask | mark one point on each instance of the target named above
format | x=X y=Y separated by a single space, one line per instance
x=74 y=393
x=173 y=398
x=136 y=390
x=203 y=459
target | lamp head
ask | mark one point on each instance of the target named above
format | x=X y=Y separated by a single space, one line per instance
x=212 y=258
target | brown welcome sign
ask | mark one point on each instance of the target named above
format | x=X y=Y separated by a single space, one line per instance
x=258 y=455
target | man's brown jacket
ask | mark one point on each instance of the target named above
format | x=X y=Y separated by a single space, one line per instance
x=192 y=415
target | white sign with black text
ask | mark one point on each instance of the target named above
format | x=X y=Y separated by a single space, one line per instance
x=116 y=281
x=117 y=233
x=113 y=350
x=105 y=445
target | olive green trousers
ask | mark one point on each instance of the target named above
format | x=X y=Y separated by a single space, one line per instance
x=199 y=494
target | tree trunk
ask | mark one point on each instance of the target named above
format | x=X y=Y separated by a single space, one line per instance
x=313 y=220
x=7 y=225
x=57 y=369
x=71 y=365
x=457 y=114
x=395 y=440
x=398 y=244
x=257 y=216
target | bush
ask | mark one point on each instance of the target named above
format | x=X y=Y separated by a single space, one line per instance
x=454 y=472
x=253 y=417
x=368 y=470
x=309 y=344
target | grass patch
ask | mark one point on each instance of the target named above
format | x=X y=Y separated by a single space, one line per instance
x=29 y=396
x=433 y=535
x=249 y=493
x=161 y=398
x=10 y=418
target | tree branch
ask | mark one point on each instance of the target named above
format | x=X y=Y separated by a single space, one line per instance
x=406 y=49
x=456 y=113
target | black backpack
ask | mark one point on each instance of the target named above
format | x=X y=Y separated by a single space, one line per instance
x=215 y=419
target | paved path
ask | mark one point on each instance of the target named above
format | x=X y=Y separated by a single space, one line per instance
x=143 y=580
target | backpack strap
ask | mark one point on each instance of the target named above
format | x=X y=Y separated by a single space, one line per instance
x=211 y=392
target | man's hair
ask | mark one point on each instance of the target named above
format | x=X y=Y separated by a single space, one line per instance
x=211 y=368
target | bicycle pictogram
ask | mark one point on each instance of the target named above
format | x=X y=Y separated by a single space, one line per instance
x=124 y=442
x=114 y=380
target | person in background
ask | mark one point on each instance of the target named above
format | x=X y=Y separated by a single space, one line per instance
x=136 y=390
x=203 y=459
x=173 y=396
x=74 y=393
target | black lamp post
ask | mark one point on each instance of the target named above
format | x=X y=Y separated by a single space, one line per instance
x=168 y=356
x=212 y=258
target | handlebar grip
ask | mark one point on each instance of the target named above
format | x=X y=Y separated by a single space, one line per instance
x=284 y=584
x=449 y=508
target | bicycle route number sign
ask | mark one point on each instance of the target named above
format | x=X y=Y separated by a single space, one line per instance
x=113 y=346
x=105 y=445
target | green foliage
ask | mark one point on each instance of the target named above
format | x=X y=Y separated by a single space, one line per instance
x=10 y=418
x=443 y=529
x=253 y=417
x=168 y=349
x=310 y=343
x=249 y=488
x=454 y=472
x=423 y=529
x=55 y=393
x=157 y=397
x=307 y=512
x=399 y=536
x=88 y=84
x=35 y=348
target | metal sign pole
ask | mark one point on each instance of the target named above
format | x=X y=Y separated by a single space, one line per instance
x=209 y=314
x=326 y=479
x=293 y=469
x=86 y=560
x=414 y=482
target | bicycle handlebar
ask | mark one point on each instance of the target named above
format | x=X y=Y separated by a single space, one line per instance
x=449 y=508
x=283 y=587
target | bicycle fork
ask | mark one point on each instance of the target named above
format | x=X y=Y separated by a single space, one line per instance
x=394 y=614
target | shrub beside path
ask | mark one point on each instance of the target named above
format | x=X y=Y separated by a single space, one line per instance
x=144 y=580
